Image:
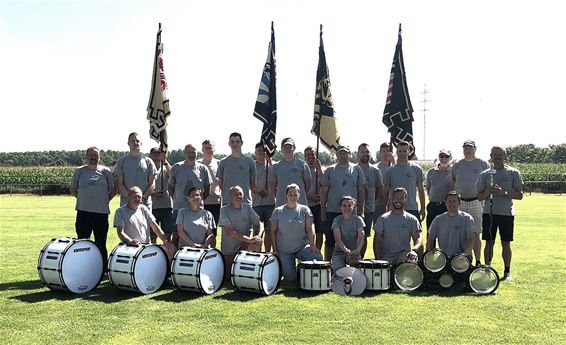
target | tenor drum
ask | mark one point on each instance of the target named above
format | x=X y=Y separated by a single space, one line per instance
x=256 y=272
x=135 y=268
x=198 y=269
x=445 y=280
x=377 y=274
x=70 y=265
x=484 y=280
x=314 y=275
x=408 y=276
x=434 y=260
x=461 y=263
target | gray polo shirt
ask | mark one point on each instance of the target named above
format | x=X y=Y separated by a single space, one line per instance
x=466 y=174
x=134 y=222
x=93 y=186
x=348 y=231
x=438 y=184
x=315 y=186
x=373 y=179
x=261 y=181
x=452 y=232
x=215 y=195
x=407 y=176
x=163 y=201
x=287 y=172
x=183 y=178
x=341 y=181
x=136 y=171
x=291 y=233
x=508 y=179
x=195 y=224
x=397 y=231
x=241 y=220
x=236 y=172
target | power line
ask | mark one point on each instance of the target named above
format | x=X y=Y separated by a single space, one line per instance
x=424 y=110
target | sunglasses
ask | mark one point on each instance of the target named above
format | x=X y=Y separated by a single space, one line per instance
x=444 y=156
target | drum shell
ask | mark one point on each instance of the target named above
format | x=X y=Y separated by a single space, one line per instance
x=378 y=274
x=256 y=272
x=198 y=270
x=74 y=265
x=141 y=269
x=409 y=283
x=314 y=276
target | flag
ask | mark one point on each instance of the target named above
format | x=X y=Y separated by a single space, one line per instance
x=266 y=104
x=325 y=125
x=158 y=106
x=398 y=112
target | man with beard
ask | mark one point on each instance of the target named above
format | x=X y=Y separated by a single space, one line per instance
x=386 y=161
x=394 y=231
x=340 y=179
x=374 y=189
x=500 y=187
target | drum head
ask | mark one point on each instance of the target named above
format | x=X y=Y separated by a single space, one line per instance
x=150 y=269
x=212 y=271
x=82 y=266
x=434 y=260
x=314 y=264
x=484 y=280
x=349 y=281
x=460 y=263
x=408 y=276
x=446 y=280
x=271 y=275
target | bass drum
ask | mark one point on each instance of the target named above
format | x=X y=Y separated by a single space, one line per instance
x=135 y=268
x=198 y=269
x=256 y=272
x=70 y=265
x=314 y=275
x=408 y=276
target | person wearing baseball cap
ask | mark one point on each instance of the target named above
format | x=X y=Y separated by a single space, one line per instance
x=288 y=171
x=437 y=186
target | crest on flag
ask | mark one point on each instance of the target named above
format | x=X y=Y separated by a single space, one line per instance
x=324 y=125
x=398 y=112
x=266 y=104
x=158 y=106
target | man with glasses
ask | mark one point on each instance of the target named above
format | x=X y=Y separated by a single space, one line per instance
x=437 y=186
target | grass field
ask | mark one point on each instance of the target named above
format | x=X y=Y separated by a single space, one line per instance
x=530 y=309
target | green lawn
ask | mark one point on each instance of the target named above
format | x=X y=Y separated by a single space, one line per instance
x=530 y=309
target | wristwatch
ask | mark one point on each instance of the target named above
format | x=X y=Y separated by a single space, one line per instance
x=506 y=194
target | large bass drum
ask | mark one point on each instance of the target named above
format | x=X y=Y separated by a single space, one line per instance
x=70 y=265
x=198 y=269
x=136 y=268
x=256 y=272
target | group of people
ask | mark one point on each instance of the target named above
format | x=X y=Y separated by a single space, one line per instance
x=293 y=207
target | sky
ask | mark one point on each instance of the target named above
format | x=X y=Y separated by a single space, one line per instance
x=78 y=73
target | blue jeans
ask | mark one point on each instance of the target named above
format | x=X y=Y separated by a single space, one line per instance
x=288 y=264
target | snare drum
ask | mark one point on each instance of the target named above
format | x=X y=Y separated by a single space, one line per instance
x=256 y=272
x=70 y=265
x=198 y=269
x=434 y=260
x=140 y=268
x=460 y=263
x=484 y=280
x=408 y=276
x=377 y=274
x=314 y=275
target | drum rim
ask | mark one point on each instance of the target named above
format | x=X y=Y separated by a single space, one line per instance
x=411 y=264
x=488 y=268
x=315 y=264
x=434 y=250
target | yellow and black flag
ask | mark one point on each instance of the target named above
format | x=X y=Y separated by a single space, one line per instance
x=266 y=104
x=325 y=125
x=158 y=106
x=398 y=112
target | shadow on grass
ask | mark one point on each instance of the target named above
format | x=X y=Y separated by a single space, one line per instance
x=176 y=295
x=239 y=296
x=23 y=285
x=295 y=292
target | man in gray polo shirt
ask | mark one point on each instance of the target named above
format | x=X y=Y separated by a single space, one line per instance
x=454 y=229
x=236 y=170
x=342 y=178
x=288 y=171
x=93 y=186
x=313 y=194
x=374 y=189
x=386 y=160
x=499 y=190
x=263 y=199
x=410 y=176
x=394 y=231
x=465 y=174
x=162 y=208
x=437 y=186
x=213 y=201
x=135 y=170
x=237 y=220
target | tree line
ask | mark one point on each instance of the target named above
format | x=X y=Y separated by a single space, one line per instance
x=525 y=153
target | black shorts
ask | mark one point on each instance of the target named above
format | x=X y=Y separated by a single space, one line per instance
x=264 y=212
x=434 y=209
x=215 y=210
x=490 y=224
x=319 y=225
x=330 y=241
